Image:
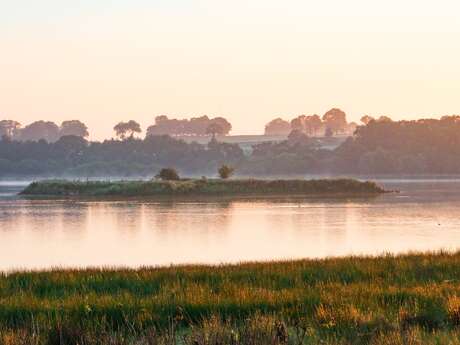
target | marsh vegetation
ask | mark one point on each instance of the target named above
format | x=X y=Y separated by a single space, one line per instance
x=411 y=299
x=203 y=187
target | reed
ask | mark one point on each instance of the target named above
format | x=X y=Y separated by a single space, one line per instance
x=356 y=300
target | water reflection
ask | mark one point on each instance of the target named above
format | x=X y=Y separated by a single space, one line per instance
x=42 y=234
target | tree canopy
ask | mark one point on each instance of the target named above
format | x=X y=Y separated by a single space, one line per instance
x=75 y=156
x=336 y=120
x=74 y=127
x=42 y=130
x=278 y=126
x=383 y=146
x=45 y=130
x=195 y=126
x=9 y=128
x=127 y=129
x=313 y=125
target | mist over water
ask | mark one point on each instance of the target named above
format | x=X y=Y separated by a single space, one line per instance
x=79 y=233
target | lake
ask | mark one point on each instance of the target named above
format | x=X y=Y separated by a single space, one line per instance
x=79 y=233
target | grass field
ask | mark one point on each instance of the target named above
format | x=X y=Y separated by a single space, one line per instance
x=412 y=299
x=203 y=187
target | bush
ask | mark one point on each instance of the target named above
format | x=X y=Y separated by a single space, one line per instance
x=226 y=171
x=168 y=174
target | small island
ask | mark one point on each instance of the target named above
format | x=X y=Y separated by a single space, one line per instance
x=204 y=187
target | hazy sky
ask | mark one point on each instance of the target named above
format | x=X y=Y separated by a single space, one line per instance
x=248 y=60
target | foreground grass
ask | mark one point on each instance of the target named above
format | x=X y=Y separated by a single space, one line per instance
x=412 y=299
x=202 y=187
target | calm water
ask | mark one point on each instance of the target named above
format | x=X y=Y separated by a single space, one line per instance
x=44 y=234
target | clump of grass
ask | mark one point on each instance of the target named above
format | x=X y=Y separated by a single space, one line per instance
x=203 y=187
x=453 y=309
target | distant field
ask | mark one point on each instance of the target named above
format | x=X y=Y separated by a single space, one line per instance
x=234 y=139
x=413 y=299
x=246 y=141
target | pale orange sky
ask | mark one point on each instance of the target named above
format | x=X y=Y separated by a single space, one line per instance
x=247 y=60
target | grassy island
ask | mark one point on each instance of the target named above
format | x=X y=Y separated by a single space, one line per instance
x=410 y=299
x=212 y=187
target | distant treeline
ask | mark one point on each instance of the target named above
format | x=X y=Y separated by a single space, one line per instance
x=425 y=146
x=378 y=147
x=75 y=156
x=331 y=123
x=51 y=132
x=195 y=126
x=41 y=130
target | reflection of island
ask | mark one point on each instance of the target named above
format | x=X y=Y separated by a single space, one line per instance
x=187 y=231
x=126 y=217
x=50 y=215
x=202 y=216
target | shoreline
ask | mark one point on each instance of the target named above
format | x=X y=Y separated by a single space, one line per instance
x=239 y=264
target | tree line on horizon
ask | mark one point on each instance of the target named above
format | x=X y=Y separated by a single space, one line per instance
x=74 y=156
x=333 y=122
x=41 y=130
x=51 y=132
x=378 y=146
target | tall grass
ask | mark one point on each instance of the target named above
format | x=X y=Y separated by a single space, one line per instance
x=356 y=300
x=203 y=186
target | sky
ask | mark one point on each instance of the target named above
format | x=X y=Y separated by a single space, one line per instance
x=247 y=60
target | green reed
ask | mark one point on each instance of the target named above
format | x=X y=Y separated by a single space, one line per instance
x=355 y=300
